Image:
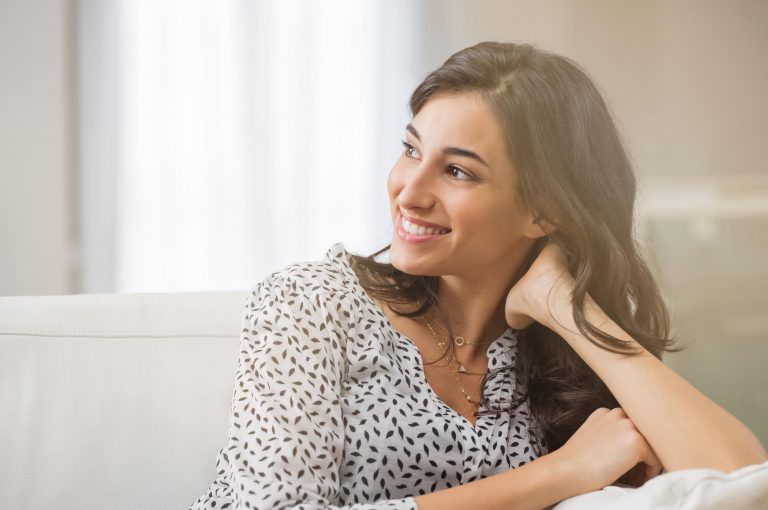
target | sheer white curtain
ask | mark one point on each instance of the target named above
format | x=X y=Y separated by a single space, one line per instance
x=221 y=140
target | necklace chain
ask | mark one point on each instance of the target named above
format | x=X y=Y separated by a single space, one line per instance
x=460 y=342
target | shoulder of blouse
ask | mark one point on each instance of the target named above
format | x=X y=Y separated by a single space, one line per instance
x=328 y=283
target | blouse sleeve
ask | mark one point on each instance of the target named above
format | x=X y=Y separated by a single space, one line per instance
x=286 y=432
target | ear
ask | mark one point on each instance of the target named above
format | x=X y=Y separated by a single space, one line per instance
x=538 y=227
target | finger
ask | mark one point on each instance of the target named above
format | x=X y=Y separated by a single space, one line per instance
x=648 y=457
x=651 y=461
x=619 y=411
x=653 y=465
x=594 y=417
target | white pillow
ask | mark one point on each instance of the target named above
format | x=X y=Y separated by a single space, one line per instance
x=688 y=489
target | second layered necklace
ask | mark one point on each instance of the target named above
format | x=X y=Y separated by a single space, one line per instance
x=461 y=369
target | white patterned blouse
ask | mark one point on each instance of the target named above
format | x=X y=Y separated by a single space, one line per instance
x=331 y=408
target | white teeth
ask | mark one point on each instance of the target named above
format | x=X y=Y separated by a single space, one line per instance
x=421 y=230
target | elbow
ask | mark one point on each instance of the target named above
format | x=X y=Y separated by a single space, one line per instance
x=753 y=453
x=727 y=460
x=743 y=451
x=746 y=458
x=759 y=456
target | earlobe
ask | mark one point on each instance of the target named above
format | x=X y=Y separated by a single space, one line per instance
x=539 y=227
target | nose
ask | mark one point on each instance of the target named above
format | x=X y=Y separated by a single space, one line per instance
x=418 y=186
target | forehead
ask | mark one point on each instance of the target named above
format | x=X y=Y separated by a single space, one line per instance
x=462 y=120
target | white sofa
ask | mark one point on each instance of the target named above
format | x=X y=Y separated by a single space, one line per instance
x=121 y=401
x=114 y=401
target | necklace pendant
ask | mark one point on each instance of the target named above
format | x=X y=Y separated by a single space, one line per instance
x=459 y=340
x=462 y=369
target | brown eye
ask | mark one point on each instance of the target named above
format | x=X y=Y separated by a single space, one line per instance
x=453 y=168
x=408 y=147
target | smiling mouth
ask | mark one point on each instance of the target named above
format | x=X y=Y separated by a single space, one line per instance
x=425 y=237
x=420 y=230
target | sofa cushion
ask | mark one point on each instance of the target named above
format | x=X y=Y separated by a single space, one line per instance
x=114 y=400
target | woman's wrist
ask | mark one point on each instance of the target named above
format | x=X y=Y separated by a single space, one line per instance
x=566 y=476
x=552 y=300
x=533 y=486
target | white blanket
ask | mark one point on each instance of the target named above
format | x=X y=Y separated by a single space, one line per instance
x=689 y=489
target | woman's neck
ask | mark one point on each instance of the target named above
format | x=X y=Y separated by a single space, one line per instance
x=475 y=311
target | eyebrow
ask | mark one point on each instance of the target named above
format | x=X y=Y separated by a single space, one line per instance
x=457 y=151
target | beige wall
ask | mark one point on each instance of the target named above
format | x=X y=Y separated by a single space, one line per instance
x=35 y=148
x=686 y=79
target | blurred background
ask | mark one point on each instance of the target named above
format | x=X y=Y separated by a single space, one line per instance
x=162 y=146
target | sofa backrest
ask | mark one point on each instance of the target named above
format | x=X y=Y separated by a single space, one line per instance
x=116 y=401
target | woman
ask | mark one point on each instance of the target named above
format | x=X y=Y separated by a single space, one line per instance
x=508 y=355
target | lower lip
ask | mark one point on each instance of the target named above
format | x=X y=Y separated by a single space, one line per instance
x=415 y=238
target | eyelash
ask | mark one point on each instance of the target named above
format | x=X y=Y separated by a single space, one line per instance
x=408 y=147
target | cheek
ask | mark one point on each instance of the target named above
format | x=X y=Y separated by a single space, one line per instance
x=497 y=221
x=470 y=216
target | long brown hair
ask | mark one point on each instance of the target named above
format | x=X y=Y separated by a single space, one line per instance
x=573 y=172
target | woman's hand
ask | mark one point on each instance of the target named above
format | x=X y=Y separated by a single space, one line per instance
x=605 y=447
x=547 y=278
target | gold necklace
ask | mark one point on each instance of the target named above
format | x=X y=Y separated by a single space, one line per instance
x=460 y=342
x=461 y=368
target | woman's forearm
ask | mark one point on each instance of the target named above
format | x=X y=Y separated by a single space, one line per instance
x=684 y=427
x=536 y=485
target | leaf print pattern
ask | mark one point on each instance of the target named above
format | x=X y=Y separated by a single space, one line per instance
x=331 y=408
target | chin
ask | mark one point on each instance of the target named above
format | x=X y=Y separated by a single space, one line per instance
x=412 y=268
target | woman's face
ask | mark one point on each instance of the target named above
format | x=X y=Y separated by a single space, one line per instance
x=454 y=173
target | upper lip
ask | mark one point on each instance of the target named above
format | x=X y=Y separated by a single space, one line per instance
x=423 y=223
